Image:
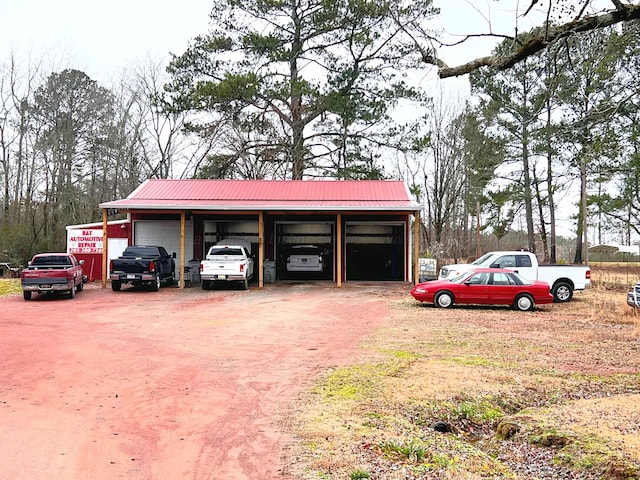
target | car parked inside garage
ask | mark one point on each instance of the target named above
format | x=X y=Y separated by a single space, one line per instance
x=305 y=258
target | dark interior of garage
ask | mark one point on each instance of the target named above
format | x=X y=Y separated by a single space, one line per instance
x=376 y=256
x=375 y=262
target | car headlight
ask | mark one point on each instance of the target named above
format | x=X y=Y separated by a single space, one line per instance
x=421 y=290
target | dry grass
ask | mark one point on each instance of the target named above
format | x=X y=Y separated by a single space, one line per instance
x=614 y=276
x=553 y=393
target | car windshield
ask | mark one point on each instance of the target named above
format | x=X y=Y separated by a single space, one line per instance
x=460 y=278
x=482 y=259
x=515 y=277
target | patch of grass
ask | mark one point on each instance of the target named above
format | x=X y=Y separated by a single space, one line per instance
x=478 y=370
x=9 y=286
x=414 y=450
x=463 y=414
x=478 y=411
x=357 y=382
x=477 y=361
x=349 y=383
x=359 y=474
x=585 y=452
x=448 y=456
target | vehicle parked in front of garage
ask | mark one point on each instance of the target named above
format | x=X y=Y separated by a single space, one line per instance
x=485 y=286
x=51 y=273
x=229 y=260
x=564 y=279
x=142 y=265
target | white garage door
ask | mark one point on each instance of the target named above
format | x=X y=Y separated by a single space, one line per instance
x=165 y=233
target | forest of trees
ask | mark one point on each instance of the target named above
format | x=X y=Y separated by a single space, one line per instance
x=314 y=89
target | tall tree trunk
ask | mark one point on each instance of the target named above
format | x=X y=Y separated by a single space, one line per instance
x=527 y=188
x=297 y=123
x=550 y=191
x=543 y=226
x=582 y=211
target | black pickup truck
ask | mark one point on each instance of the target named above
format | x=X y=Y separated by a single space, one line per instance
x=143 y=265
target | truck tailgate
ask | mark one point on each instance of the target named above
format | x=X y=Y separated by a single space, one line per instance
x=221 y=266
x=133 y=265
x=44 y=276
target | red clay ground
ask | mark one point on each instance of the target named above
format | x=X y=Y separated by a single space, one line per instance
x=169 y=385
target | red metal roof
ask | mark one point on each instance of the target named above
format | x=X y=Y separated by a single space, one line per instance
x=314 y=195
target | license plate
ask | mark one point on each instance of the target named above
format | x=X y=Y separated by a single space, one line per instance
x=131 y=277
x=45 y=286
x=222 y=277
x=304 y=260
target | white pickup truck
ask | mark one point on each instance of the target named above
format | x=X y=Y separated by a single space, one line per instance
x=563 y=279
x=227 y=261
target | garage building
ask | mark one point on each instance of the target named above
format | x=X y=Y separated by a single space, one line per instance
x=365 y=229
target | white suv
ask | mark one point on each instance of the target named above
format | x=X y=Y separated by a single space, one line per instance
x=305 y=258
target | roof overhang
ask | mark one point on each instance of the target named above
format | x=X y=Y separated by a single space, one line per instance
x=259 y=206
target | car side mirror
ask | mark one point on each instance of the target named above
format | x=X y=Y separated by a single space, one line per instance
x=81 y=262
x=495 y=265
x=173 y=255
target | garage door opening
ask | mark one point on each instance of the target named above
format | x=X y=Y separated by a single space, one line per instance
x=304 y=251
x=375 y=252
x=165 y=233
x=217 y=231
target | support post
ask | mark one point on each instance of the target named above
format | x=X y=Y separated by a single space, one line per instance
x=183 y=216
x=339 y=250
x=416 y=248
x=261 y=250
x=105 y=247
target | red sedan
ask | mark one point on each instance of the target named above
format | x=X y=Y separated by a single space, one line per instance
x=485 y=286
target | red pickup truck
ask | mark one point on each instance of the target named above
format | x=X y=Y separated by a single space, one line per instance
x=52 y=272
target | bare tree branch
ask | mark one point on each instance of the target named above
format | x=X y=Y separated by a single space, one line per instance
x=621 y=13
x=533 y=3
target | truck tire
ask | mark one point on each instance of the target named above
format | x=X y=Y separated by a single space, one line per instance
x=72 y=292
x=79 y=287
x=245 y=284
x=155 y=286
x=116 y=285
x=26 y=295
x=562 y=292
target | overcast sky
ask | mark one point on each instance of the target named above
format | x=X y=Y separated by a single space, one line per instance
x=100 y=38
x=103 y=38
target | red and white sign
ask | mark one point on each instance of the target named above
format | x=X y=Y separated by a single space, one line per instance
x=85 y=241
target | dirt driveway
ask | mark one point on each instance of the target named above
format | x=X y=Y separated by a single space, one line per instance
x=176 y=384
